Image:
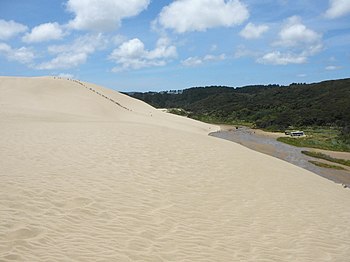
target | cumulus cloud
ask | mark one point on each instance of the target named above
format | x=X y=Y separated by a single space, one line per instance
x=72 y=55
x=295 y=33
x=196 y=61
x=278 y=58
x=200 y=15
x=297 y=44
x=133 y=55
x=22 y=55
x=64 y=61
x=9 y=29
x=251 y=31
x=103 y=15
x=44 y=32
x=338 y=8
x=119 y=39
x=83 y=44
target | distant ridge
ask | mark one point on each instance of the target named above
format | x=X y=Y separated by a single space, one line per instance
x=326 y=103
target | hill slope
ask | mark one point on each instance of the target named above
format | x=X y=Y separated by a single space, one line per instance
x=275 y=107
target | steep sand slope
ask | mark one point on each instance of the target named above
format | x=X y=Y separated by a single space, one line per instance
x=89 y=178
x=60 y=100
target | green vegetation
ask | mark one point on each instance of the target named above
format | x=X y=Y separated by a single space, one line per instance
x=327 y=157
x=217 y=120
x=323 y=138
x=177 y=111
x=320 y=164
x=270 y=107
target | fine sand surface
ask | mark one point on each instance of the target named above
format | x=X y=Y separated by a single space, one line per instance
x=265 y=142
x=86 y=177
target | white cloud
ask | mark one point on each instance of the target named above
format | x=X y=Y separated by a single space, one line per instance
x=251 y=31
x=9 y=29
x=313 y=49
x=164 y=49
x=69 y=56
x=296 y=43
x=200 y=15
x=196 y=61
x=332 y=68
x=214 y=57
x=192 y=61
x=133 y=55
x=4 y=48
x=119 y=39
x=278 y=58
x=22 y=55
x=44 y=32
x=64 y=61
x=83 y=44
x=103 y=15
x=338 y=8
x=133 y=48
x=242 y=51
x=295 y=33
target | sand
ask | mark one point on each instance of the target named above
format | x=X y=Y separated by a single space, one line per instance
x=265 y=142
x=84 y=178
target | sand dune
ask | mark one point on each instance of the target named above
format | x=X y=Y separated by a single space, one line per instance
x=88 y=174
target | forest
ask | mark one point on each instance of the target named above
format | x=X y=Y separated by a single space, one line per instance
x=270 y=107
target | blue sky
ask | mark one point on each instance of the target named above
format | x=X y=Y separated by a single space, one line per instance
x=143 y=45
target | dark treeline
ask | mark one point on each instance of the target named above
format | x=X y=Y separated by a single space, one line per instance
x=266 y=106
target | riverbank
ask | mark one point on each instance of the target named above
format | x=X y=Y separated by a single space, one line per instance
x=265 y=142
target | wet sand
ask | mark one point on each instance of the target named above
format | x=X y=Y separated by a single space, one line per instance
x=265 y=142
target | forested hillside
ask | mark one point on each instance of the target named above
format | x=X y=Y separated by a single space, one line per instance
x=272 y=107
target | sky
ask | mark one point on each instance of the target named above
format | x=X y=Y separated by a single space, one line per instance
x=153 y=45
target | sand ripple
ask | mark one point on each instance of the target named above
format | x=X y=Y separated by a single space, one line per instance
x=159 y=196
x=84 y=178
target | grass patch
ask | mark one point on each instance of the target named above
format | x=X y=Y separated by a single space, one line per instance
x=322 y=138
x=320 y=164
x=327 y=157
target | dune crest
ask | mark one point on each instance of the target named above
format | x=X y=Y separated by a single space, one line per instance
x=55 y=99
x=89 y=174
